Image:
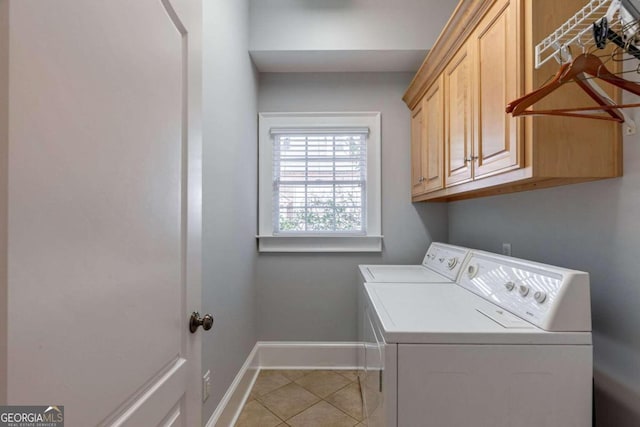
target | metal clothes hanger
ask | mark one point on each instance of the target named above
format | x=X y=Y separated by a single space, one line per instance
x=602 y=33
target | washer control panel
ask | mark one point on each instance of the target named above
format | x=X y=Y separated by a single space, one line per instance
x=534 y=292
x=445 y=259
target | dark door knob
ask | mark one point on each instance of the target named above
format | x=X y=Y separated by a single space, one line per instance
x=205 y=321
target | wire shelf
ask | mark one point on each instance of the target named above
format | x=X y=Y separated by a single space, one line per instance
x=621 y=24
x=571 y=32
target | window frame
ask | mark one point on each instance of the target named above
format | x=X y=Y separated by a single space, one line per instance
x=371 y=241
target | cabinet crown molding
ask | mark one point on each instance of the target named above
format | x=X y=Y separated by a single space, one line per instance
x=462 y=22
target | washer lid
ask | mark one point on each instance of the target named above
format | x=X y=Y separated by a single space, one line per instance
x=449 y=314
x=401 y=273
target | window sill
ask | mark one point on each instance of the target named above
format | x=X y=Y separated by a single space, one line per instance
x=319 y=243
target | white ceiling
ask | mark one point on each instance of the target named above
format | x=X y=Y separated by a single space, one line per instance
x=344 y=35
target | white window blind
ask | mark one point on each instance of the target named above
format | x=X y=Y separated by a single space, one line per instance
x=319 y=181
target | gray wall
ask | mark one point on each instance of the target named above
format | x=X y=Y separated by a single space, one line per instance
x=312 y=297
x=229 y=193
x=593 y=227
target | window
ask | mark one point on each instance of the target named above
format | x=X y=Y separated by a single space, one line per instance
x=319 y=182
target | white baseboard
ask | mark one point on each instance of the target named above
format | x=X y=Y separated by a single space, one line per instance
x=308 y=355
x=280 y=355
x=229 y=408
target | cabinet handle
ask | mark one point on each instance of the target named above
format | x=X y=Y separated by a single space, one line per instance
x=420 y=179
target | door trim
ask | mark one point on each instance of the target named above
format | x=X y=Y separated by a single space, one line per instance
x=187 y=16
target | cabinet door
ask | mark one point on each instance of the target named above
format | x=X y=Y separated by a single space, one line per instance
x=497 y=68
x=458 y=118
x=433 y=137
x=417 y=179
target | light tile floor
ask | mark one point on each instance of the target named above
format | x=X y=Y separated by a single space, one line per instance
x=303 y=399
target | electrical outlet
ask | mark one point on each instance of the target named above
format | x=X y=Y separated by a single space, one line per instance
x=206 y=385
x=506 y=249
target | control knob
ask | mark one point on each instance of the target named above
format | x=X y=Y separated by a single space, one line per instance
x=524 y=290
x=540 y=297
x=452 y=263
x=472 y=271
x=509 y=285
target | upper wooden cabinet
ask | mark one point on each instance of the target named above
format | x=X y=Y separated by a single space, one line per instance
x=468 y=145
x=417 y=177
x=458 y=119
x=495 y=44
x=433 y=137
x=427 y=133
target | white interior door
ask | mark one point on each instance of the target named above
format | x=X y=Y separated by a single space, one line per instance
x=103 y=209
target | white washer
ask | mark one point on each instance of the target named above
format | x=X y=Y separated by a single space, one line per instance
x=508 y=345
x=441 y=264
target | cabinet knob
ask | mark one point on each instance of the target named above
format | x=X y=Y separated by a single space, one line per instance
x=421 y=179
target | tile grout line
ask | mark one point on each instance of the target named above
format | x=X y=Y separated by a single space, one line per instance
x=309 y=407
x=357 y=380
x=292 y=382
x=340 y=409
x=322 y=399
x=258 y=399
x=284 y=385
x=356 y=420
x=273 y=413
x=276 y=389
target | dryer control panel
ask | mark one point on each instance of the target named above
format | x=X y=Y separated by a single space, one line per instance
x=446 y=259
x=552 y=298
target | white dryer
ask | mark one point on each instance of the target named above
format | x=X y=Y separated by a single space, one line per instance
x=441 y=264
x=508 y=345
